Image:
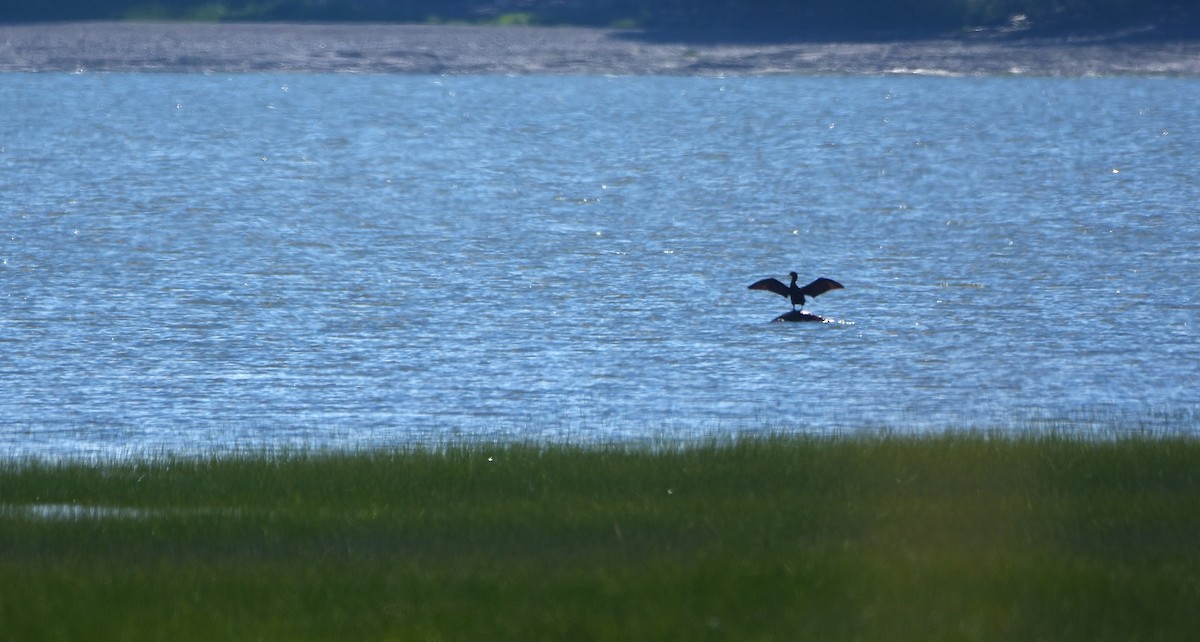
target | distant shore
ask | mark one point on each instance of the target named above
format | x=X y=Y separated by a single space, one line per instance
x=429 y=49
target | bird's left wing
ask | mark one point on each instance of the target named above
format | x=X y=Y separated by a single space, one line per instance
x=820 y=286
x=771 y=285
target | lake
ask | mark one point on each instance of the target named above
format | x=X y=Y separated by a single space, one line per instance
x=195 y=263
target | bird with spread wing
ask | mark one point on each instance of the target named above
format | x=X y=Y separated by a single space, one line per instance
x=794 y=292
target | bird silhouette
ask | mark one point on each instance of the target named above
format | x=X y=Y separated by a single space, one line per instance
x=794 y=292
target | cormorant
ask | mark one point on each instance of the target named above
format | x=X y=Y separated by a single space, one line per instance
x=795 y=293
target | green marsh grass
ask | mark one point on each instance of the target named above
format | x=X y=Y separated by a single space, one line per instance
x=949 y=537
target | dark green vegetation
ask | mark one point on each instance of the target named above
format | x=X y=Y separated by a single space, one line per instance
x=773 y=18
x=956 y=537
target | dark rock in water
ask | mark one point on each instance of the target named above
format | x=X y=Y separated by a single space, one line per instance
x=797 y=315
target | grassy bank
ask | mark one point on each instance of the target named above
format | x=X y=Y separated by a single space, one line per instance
x=873 y=538
x=780 y=18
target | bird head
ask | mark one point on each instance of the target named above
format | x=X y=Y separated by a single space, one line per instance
x=793 y=275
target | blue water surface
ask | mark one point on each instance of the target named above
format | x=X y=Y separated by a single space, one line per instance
x=199 y=263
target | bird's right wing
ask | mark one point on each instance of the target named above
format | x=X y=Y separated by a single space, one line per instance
x=771 y=285
x=820 y=286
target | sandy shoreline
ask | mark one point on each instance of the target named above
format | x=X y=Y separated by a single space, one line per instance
x=424 y=49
